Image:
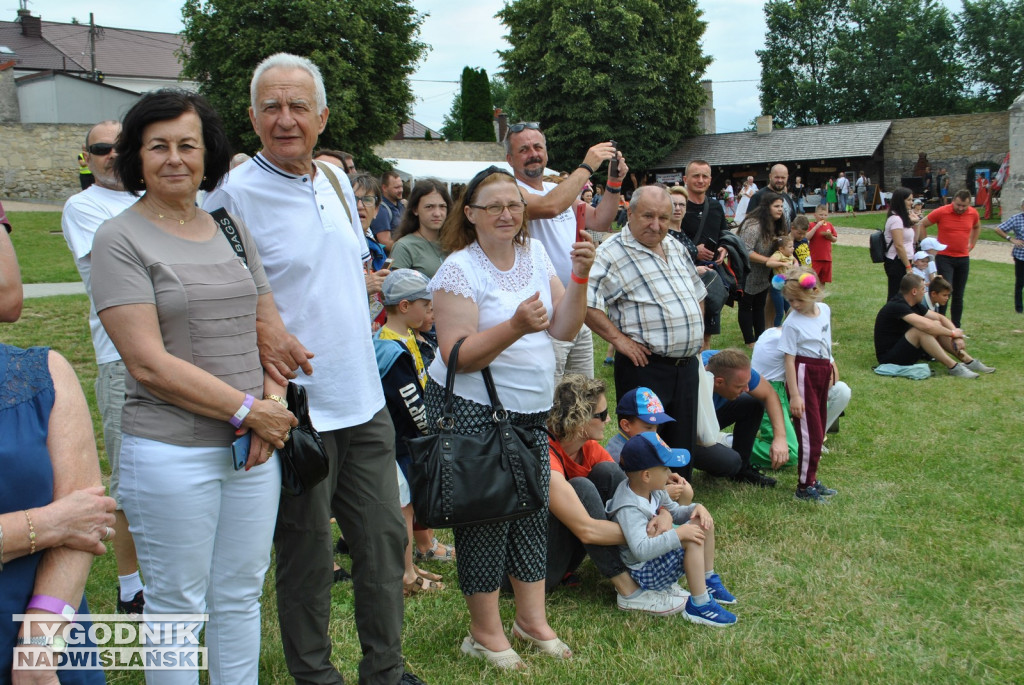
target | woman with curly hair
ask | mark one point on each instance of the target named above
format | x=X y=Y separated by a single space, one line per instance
x=583 y=478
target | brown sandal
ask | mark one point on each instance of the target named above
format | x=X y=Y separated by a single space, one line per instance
x=419 y=585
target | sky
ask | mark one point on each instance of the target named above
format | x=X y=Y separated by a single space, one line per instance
x=465 y=33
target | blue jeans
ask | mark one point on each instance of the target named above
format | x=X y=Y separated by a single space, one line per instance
x=781 y=306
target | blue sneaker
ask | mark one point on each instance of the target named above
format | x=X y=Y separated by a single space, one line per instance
x=711 y=614
x=718 y=591
x=824 y=490
x=810 y=494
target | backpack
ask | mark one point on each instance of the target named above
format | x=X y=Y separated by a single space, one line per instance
x=877 y=246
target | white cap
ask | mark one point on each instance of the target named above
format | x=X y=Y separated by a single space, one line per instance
x=920 y=254
x=931 y=243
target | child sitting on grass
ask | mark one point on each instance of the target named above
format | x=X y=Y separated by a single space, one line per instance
x=807 y=343
x=641 y=411
x=656 y=562
x=937 y=294
x=920 y=266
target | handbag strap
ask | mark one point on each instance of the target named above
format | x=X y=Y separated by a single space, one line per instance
x=227 y=226
x=703 y=219
x=322 y=166
x=449 y=387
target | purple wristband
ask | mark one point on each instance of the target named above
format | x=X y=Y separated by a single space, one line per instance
x=54 y=605
x=242 y=412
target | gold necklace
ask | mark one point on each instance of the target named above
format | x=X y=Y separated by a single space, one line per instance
x=181 y=222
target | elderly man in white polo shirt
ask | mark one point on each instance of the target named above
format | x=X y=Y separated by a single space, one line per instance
x=303 y=218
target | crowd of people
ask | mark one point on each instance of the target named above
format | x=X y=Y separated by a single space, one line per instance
x=215 y=283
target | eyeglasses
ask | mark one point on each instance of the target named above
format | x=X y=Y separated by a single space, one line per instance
x=368 y=200
x=517 y=128
x=602 y=415
x=100 y=149
x=496 y=209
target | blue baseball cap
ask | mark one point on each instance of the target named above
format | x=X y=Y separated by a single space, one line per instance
x=643 y=404
x=647 y=450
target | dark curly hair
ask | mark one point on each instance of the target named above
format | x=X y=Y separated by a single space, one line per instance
x=167 y=104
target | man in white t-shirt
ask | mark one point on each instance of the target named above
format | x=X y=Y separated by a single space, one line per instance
x=83 y=214
x=843 y=188
x=552 y=209
x=314 y=252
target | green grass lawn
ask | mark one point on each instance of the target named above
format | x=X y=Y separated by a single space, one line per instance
x=876 y=220
x=912 y=574
x=43 y=253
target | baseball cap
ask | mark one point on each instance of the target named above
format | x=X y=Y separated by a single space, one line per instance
x=930 y=243
x=404 y=284
x=646 y=450
x=921 y=254
x=643 y=404
x=918 y=201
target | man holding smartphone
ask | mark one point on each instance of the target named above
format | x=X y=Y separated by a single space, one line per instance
x=703 y=223
x=551 y=210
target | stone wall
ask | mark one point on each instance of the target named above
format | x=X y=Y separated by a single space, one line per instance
x=1013 y=190
x=40 y=161
x=954 y=142
x=9 y=109
x=442 y=151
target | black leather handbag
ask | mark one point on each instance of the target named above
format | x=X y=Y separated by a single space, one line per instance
x=303 y=458
x=491 y=476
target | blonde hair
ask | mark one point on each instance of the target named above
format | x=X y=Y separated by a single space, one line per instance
x=679 y=190
x=793 y=290
x=573 y=407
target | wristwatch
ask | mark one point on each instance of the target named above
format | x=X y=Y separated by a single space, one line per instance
x=55 y=642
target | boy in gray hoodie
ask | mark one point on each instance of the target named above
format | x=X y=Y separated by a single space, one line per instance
x=656 y=562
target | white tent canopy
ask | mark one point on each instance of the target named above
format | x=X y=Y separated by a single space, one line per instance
x=447 y=171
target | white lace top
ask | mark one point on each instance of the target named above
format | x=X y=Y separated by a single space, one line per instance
x=524 y=372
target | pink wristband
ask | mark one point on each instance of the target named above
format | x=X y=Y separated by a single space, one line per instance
x=54 y=605
x=242 y=412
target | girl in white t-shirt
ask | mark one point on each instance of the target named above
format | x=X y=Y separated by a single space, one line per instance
x=807 y=343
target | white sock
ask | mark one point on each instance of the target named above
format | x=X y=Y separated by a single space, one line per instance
x=700 y=600
x=708 y=574
x=130 y=586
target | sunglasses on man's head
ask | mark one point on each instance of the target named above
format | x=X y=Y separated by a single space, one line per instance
x=100 y=149
x=516 y=128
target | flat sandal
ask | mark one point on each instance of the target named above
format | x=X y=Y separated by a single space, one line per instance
x=506 y=659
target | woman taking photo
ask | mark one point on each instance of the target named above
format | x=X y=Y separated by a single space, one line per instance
x=498 y=290
x=758 y=230
x=181 y=306
x=899 y=236
x=419 y=234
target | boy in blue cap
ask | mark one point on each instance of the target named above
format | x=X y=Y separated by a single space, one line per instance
x=656 y=563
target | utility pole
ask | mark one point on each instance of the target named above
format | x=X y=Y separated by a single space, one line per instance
x=92 y=46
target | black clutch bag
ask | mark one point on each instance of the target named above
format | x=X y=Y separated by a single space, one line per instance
x=487 y=477
x=303 y=458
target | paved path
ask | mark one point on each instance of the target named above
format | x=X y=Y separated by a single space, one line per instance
x=48 y=289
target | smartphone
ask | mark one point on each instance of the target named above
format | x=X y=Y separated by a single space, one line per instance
x=387 y=263
x=240 y=451
x=613 y=166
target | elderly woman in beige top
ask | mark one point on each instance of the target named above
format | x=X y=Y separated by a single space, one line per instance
x=180 y=302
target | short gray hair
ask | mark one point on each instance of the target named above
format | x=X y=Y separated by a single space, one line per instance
x=105 y=122
x=643 y=190
x=284 y=60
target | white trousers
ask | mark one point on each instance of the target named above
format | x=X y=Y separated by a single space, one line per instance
x=838 y=399
x=203 y=533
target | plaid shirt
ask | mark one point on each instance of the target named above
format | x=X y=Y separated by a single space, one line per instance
x=1014 y=227
x=653 y=301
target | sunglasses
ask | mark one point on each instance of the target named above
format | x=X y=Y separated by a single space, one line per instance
x=522 y=125
x=602 y=415
x=100 y=149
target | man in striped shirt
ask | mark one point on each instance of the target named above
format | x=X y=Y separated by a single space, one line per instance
x=646 y=299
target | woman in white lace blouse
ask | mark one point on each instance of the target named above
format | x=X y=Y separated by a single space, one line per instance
x=498 y=290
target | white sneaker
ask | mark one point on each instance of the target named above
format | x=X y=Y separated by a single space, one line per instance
x=961 y=371
x=725 y=439
x=676 y=590
x=977 y=367
x=652 y=602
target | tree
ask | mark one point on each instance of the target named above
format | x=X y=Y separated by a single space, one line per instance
x=797 y=60
x=627 y=70
x=827 y=61
x=451 y=125
x=366 y=50
x=991 y=35
x=476 y=113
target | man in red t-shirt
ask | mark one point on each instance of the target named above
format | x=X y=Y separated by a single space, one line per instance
x=958 y=226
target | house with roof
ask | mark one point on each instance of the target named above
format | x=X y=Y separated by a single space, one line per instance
x=80 y=73
x=890 y=152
